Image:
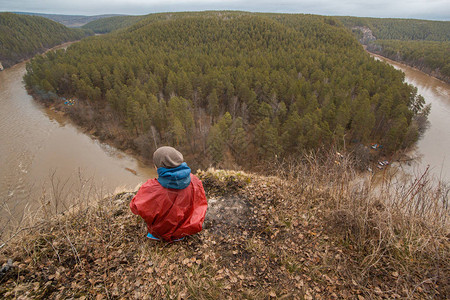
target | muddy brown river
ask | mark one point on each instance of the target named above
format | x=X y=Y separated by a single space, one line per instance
x=433 y=149
x=41 y=153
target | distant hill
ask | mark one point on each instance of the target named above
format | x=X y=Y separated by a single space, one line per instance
x=105 y=25
x=22 y=36
x=421 y=44
x=69 y=20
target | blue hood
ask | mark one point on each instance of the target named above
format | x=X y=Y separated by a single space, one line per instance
x=175 y=178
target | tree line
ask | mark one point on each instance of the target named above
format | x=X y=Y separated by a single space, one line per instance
x=231 y=87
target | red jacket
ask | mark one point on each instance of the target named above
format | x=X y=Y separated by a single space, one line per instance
x=171 y=213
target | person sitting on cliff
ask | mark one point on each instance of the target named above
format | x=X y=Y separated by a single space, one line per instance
x=173 y=205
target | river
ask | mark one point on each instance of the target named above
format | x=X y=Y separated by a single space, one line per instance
x=38 y=144
x=433 y=149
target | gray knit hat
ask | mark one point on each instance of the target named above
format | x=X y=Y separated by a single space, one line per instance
x=167 y=157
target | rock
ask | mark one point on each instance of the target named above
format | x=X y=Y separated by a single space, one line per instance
x=367 y=34
x=227 y=213
x=6 y=267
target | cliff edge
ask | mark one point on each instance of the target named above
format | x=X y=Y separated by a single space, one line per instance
x=295 y=236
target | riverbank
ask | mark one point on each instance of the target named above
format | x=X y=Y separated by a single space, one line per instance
x=307 y=234
x=44 y=155
x=59 y=106
x=419 y=67
x=431 y=150
x=44 y=51
x=98 y=124
x=101 y=124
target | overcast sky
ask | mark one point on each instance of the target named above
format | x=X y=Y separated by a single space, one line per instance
x=419 y=9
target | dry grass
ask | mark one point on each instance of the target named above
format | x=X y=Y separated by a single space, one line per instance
x=395 y=231
x=316 y=230
x=57 y=196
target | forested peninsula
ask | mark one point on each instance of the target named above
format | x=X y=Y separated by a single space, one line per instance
x=230 y=87
x=418 y=43
x=23 y=36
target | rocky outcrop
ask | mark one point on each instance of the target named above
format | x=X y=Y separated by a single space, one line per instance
x=367 y=35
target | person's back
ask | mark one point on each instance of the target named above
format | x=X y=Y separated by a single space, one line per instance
x=174 y=205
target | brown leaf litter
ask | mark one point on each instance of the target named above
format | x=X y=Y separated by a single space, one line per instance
x=259 y=242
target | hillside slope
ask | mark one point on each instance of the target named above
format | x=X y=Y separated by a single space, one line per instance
x=310 y=235
x=69 y=20
x=22 y=36
x=109 y=24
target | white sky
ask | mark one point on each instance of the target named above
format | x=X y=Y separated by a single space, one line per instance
x=420 y=9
